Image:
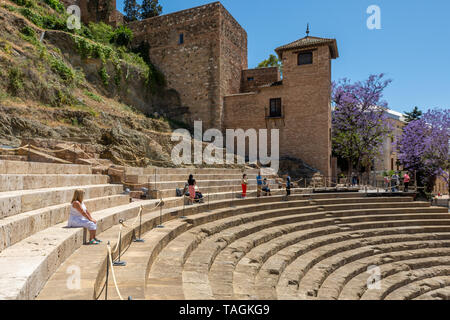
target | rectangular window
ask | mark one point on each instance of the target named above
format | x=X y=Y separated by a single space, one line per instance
x=250 y=79
x=275 y=108
x=181 y=40
x=305 y=58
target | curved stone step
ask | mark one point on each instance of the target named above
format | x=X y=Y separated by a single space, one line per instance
x=356 y=284
x=266 y=271
x=419 y=288
x=30 y=262
x=203 y=256
x=311 y=282
x=15 y=202
x=14 y=182
x=22 y=167
x=417 y=271
x=335 y=282
x=438 y=294
x=182 y=178
x=214 y=229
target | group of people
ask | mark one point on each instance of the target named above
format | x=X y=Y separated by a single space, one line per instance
x=393 y=182
x=262 y=185
x=80 y=217
x=192 y=190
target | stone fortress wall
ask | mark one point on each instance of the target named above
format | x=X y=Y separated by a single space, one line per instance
x=201 y=51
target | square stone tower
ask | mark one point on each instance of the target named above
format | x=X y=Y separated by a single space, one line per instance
x=299 y=105
x=201 y=52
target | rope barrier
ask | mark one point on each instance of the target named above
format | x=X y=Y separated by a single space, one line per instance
x=112 y=272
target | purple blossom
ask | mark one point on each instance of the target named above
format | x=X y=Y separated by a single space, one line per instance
x=359 y=119
x=424 y=145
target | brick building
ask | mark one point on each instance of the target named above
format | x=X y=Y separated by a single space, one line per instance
x=299 y=105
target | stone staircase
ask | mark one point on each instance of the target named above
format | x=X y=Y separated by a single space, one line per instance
x=310 y=246
x=34 y=208
x=313 y=246
x=163 y=182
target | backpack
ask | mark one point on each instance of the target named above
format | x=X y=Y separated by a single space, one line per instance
x=179 y=192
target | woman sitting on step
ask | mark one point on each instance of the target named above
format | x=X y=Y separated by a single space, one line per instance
x=81 y=217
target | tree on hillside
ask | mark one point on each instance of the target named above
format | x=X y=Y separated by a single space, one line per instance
x=272 y=61
x=131 y=8
x=424 y=147
x=359 y=123
x=415 y=114
x=150 y=8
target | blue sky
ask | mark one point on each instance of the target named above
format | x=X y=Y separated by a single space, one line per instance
x=412 y=47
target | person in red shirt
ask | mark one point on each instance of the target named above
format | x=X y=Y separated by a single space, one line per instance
x=406 y=180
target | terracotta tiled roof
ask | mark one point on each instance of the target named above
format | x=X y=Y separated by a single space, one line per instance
x=308 y=42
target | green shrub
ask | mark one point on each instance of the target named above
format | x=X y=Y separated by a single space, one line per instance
x=101 y=32
x=104 y=75
x=27 y=31
x=122 y=36
x=15 y=76
x=56 y=5
x=25 y=3
x=58 y=66
x=33 y=17
x=93 y=96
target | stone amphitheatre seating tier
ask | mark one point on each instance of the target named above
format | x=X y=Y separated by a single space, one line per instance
x=13 y=182
x=30 y=262
x=63 y=242
x=186 y=266
x=15 y=202
x=232 y=224
x=21 y=167
x=96 y=262
x=184 y=171
x=218 y=236
x=224 y=183
x=20 y=226
x=181 y=178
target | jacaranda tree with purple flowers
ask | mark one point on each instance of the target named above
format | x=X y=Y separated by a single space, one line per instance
x=424 y=147
x=359 y=120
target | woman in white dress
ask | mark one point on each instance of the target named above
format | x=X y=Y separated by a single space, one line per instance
x=80 y=217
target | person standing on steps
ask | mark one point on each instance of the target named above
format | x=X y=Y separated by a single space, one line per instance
x=395 y=181
x=244 y=183
x=386 y=183
x=259 y=183
x=406 y=180
x=288 y=186
x=81 y=217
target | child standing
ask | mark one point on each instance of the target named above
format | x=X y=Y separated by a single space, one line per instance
x=244 y=183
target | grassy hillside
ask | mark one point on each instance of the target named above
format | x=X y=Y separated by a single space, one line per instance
x=63 y=84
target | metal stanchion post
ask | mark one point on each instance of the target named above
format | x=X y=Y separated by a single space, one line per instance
x=139 y=239
x=119 y=263
x=107 y=275
x=160 y=214
x=232 y=197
